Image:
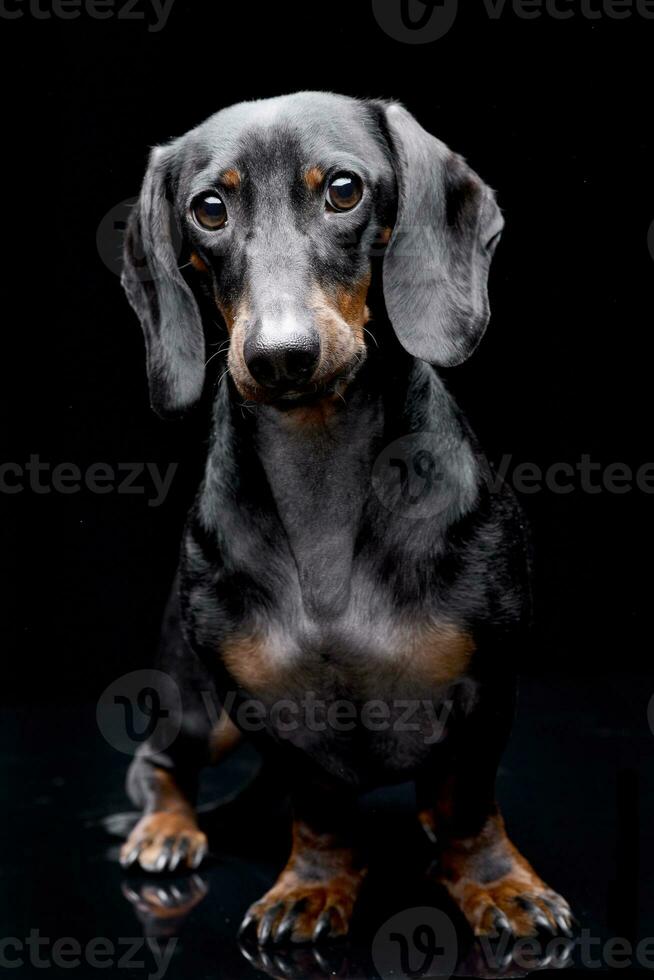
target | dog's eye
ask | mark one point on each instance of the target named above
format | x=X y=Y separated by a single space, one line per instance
x=344 y=192
x=210 y=212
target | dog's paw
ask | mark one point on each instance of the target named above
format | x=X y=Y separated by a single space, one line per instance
x=164 y=842
x=296 y=911
x=505 y=906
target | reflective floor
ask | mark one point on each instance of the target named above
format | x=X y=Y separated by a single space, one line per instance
x=577 y=788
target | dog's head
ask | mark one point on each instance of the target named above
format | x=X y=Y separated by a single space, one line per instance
x=272 y=211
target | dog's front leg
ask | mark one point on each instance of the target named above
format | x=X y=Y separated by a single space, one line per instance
x=495 y=886
x=485 y=874
x=167 y=836
x=314 y=896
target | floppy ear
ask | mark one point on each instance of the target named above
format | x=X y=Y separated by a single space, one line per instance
x=437 y=261
x=163 y=301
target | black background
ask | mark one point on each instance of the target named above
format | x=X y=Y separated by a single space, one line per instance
x=556 y=115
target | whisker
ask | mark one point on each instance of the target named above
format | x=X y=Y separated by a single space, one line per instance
x=221 y=350
x=371 y=335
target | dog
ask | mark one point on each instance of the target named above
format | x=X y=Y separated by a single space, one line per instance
x=345 y=548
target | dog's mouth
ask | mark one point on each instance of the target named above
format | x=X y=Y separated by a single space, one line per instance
x=331 y=387
x=307 y=395
x=312 y=393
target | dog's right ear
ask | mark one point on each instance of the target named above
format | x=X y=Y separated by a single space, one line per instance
x=161 y=298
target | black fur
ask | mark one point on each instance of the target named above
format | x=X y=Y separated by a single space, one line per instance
x=291 y=540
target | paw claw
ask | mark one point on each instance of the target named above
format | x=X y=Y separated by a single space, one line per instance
x=247 y=922
x=299 y=913
x=130 y=855
x=163 y=841
x=323 y=926
x=502 y=907
x=267 y=922
x=501 y=922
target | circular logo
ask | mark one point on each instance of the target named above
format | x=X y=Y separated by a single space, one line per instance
x=110 y=235
x=144 y=706
x=416 y=943
x=110 y=239
x=415 y=476
x=415 y=21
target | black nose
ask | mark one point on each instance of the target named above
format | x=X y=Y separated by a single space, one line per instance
x=281 y=360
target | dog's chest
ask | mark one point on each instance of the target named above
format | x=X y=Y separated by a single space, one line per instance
x=367 y=652
x=359 y=697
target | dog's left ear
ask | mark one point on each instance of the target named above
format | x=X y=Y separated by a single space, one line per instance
x=438 y=258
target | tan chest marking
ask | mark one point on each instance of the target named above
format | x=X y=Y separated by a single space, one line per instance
x=438 y=653
x=434 y=656
x=257 y=662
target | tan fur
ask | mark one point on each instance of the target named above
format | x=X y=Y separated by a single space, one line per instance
x=322 y=877
x=231 y=178
x=250 y=661
x=439 y=653
x=224 y=738
x=197 y=262
x=314 y=178
x=172 y=818
x=462 y=874
x=340 y=317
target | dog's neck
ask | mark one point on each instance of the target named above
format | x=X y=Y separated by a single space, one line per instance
x=318 y=465
x=310 y=469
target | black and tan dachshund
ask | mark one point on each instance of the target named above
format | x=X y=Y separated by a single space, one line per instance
x=352 y=586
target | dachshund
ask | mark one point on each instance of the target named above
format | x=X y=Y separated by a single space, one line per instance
x=353 y=587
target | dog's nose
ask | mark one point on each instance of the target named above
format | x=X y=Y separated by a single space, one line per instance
x=282 y=359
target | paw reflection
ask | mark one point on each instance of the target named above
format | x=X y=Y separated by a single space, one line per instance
x=162 y=906
x=498 y=957
x=299 y=962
